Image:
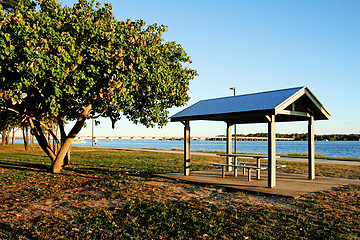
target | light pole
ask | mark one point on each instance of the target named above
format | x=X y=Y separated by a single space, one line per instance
x=92 y=132
x=93 y=124
x=233 y=88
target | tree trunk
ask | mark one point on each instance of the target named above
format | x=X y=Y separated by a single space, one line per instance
x=25 y=137
x=59 y=161
x=56 y=143
x=13 y=136
x=50 y=142
x=8 y=136
x=36 y=129
x=32 y=143
x=65 y=146
x=3 y=137
x=63 y=138
x=67 y=158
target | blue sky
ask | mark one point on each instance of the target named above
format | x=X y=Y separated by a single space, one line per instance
x=257 y=46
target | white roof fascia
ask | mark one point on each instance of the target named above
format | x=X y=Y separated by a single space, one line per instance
x=290 y=100
x=318 y=104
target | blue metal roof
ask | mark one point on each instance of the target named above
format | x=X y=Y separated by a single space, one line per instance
x=237 y=104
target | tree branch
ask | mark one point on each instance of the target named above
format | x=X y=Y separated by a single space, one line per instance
x=41 y=139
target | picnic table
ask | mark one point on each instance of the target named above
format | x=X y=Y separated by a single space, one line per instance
x=258 y=166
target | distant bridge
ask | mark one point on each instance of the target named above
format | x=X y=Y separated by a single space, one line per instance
x=179 y=138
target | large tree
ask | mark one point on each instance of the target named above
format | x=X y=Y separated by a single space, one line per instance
x=74 y=63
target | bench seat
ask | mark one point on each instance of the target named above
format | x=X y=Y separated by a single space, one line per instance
x=223 y=165
x=261 y=164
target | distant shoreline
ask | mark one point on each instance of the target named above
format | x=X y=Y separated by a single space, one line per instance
x=290 y=137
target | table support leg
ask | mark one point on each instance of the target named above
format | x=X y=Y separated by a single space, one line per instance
x=249 y=174
x=235 y=167
x=258 y=170
x=235 y=171
x=223 y=171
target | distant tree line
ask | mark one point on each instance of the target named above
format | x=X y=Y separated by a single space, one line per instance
x=303 y=136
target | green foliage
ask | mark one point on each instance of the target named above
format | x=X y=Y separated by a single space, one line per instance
x=63 y=59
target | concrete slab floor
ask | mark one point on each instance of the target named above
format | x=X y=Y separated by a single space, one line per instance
x=288 y=185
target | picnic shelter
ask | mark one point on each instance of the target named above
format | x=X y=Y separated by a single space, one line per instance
x=284 y=105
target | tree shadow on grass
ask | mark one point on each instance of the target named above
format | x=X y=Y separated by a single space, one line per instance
x=91 y=172
x=113 y=173
x=17 y=165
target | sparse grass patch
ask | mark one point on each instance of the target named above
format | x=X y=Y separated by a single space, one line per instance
x=325 y=170
x=112 y=194
x=317 y=156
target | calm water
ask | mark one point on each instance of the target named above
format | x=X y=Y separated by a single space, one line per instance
x=349 y=149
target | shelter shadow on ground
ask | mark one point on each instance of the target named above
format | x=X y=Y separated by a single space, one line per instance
x=288 y=185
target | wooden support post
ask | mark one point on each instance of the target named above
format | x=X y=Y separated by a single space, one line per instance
x=228 y=146
x=249 y=174
x=235 y=168
x=271 y=152
x=187 y=148
x=311 y=148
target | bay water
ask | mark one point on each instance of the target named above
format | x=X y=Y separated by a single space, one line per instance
x=346 y=149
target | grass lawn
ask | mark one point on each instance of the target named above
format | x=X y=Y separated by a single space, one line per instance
x=112 y=194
